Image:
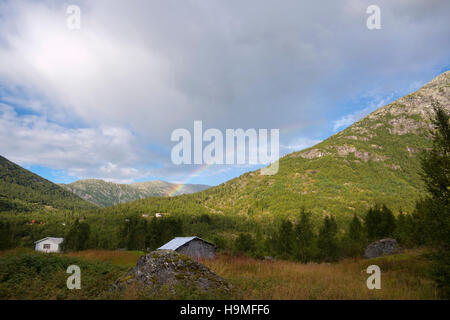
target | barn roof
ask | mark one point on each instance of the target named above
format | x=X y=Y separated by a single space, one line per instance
x=177 y=242
x=54 y=240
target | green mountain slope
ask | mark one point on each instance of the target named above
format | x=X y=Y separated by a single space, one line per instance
x=21 y=189
x=106 y=194
x=376 y=160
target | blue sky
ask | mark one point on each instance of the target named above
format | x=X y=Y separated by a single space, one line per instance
x=102 y=101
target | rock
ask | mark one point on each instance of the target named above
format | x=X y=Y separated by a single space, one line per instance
x=313 y=153
x=170 y=270
x=381 y=248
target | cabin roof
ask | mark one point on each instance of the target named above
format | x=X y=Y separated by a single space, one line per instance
x=177 y=242
x=54 y=240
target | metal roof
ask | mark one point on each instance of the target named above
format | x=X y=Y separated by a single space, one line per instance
x=177 y=242
x=54 y=240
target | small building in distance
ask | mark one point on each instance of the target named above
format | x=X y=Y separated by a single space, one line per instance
x=48 y=245
x=193 y=247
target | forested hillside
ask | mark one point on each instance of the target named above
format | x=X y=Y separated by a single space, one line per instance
x=22 y=190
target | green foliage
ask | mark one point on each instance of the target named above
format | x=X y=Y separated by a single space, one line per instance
x=441 y=271
x=405 y=232
x=140 y=234
x=43 y=276
x=78 y=237
x=327 y=240
x=379 y=223
x=353 y=244
x=285 y=240
x=433 y=212
x=6 y=235
x=245 y=243
x=23 y=190
x=436 y=162
x=304 y=235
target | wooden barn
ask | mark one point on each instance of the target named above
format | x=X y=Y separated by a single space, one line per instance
x=193 y=247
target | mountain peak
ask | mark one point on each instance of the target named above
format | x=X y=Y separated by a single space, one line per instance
x=106 y=194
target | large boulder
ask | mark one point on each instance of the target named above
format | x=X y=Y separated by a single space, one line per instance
x=166 y=272
x=381 y=248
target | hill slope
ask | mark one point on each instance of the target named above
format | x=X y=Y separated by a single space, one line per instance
x=375 y=160
x=21 y=189
x=106 y=194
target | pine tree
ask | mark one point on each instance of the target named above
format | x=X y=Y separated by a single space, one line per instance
x=304 y=237
x=285 y=241
x=327 y=241
x=371 y=223
x=433 y=214
x=379 y=223
x=404 y=230
x=355 y=241
x=436 y=162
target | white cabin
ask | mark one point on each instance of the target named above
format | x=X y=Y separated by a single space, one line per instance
x=49 y=244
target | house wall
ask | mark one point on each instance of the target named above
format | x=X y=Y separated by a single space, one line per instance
x=198 y=249
x=53 y=246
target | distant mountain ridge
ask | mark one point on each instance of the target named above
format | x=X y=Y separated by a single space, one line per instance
x=105 y=194
x=21 y=189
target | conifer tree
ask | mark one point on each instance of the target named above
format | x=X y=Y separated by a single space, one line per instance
x=304 y=237
x=285 y=241
x=355 y=242
x=433 y=214
x=327 y=241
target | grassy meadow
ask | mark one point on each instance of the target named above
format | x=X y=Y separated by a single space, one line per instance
x=25 y=274
x=403 y=276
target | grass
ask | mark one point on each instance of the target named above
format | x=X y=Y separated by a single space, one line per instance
x=126 y=259
x=28 y=275
x=403 y=276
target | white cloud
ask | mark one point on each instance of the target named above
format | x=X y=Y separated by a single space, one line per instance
x=84 y=152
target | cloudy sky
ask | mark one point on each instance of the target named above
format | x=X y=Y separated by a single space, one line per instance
x=102 y=101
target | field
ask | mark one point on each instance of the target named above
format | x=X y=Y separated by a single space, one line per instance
x=28 y=275
x=403 y=276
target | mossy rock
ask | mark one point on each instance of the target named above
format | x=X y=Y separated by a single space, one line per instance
x=166 y=272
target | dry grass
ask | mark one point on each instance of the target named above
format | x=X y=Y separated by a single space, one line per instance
x=126 y=259
x=402 y=277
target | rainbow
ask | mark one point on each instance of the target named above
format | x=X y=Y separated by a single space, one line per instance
x=177 y=187
x=204 y=167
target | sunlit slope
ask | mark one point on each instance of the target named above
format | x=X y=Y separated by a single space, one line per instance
x=375 y=160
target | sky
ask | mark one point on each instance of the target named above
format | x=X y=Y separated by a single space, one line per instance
x=102 y=101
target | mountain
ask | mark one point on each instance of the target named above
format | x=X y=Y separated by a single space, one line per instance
x=374 y=161
x=21 y=189
x=106 y=194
